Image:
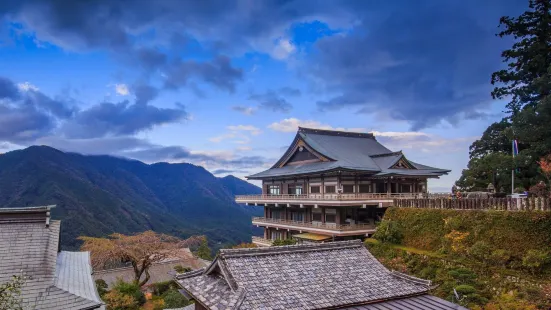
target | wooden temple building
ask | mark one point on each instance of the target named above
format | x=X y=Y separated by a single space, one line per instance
x=333 y=185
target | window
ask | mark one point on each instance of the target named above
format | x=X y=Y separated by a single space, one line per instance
x=316 y=215
x=314 y=189
x=365 y=188
x=276 y=214
x=295 y=190
x=277 y=235
x=329 y=189
x=330 y=215
x=348 y=189
x=274 y=189
x=297 y=216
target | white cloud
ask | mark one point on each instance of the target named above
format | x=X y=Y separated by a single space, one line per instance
x=238 y=132
x=122 y=89
x=292 y=124
x=26 y=86
x=399 y=134
x=283 y=49
x=253 y=130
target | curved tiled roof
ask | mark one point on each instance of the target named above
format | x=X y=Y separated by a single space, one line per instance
x=345 y=151
x=335 y=274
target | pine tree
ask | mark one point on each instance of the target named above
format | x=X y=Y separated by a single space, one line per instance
x=527 y=77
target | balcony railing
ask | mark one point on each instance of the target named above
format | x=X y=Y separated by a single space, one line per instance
x=352 y=196
x=262 y=241
x=320 y=225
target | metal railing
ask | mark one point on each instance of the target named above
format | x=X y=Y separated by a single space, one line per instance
x=351 y=196
x=320 y=225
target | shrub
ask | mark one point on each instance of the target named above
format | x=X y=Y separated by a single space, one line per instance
x=278 y=242
x=160 y=288
x=538 y=190
x=534 y=260
x=101 y=286
x=173 y=299
x=130 y=289
x=499 y=257
x=204 y=251
x=389 y=231
x=244 y=246
x=181 y=269
x=116 y=300
x=480 y=251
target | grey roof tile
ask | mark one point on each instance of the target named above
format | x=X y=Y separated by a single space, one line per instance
x=346 y=151
x=298 y=277
x=31 y=248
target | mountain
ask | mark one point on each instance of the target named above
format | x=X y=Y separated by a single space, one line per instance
x=237 y=186
x=100 y=195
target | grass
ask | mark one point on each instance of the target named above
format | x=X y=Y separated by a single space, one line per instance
x=407 y=249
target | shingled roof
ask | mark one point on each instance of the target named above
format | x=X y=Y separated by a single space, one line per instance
x=341 y=150
x=319 y=276
x=55 y=280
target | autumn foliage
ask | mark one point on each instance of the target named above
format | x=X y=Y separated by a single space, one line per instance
x=140 y=250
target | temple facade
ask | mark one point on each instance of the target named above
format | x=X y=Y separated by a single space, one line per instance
x=333 y=185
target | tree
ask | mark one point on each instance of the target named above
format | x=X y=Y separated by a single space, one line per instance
x=526 y=79
x=140 y=250
x=10 y=293
x=545 y=166
x=279 y=242
x=495 y=139
x=494 y=168
x=204 y=251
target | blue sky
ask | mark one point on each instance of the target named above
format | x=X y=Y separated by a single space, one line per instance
x=224 y=84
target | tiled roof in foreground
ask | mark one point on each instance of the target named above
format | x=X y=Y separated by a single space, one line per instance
x=329 y=275
x=29 y=241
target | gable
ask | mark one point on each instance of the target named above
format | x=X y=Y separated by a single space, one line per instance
x=403 y=163
x=300 y=153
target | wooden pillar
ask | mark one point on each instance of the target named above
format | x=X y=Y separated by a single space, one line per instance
x=322 y=214
x=266 y=233
x=322 y=187
x=388 y=185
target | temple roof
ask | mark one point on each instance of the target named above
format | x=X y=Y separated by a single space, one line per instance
x=343 y=151
x=313 y=276
x=29 y=242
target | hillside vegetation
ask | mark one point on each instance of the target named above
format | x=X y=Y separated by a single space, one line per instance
x=99 y=195
x=493 y=259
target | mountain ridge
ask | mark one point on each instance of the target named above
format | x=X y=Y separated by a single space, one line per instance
x=100 y=194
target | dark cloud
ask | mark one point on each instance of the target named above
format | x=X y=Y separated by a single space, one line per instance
x=8 y=90
x=218 y=72
x=117 y=119
x=272 y=101
x=244 y=109
x=23 y=123
x=144 y=93
x=289 y=91
x=59 y=107
x=420 y=62
x=226 y=171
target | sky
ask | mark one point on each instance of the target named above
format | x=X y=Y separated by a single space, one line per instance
x=225 y=84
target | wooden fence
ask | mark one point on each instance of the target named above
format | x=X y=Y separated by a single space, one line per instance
x=511 y=204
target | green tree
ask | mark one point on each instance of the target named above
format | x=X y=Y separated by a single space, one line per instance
x=495 y=139
x=526 y=79
x=10 y=293
x=203 y=251
x=493 y=168
x=101 y=286
x=173 y=299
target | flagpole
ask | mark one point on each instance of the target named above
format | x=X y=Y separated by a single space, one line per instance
x=513 y=170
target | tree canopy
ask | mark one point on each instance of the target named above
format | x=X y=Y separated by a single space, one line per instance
x=526 y=82
x=140 y=250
